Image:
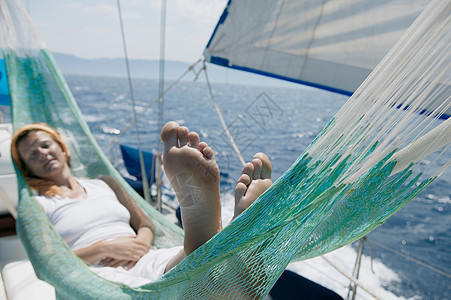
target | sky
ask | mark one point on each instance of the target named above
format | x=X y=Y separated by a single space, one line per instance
x=91 y=28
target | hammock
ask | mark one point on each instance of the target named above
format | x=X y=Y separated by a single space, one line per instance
x=343 y=186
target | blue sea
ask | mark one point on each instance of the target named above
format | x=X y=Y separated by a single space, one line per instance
x=285 y=120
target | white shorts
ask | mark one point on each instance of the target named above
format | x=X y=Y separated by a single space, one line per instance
x=149 y=268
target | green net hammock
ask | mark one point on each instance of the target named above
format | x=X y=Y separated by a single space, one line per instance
x=362 y=167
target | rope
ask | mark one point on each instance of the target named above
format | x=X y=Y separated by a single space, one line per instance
x=149 y=106
x=412 y=259
x=425 y=145
x=354 y=280
x=135 y=120
x=325 y=274
x=161 y=71
x=356 y=271
x=221 y=118
x=161 y=101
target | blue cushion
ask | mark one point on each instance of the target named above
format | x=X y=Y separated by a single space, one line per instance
x=131 y=161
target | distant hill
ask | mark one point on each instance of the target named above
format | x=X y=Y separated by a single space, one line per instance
x=141 y=68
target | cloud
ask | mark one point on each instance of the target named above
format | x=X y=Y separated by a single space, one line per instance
x=189 y=26
x=102 y=10
x=203 y=12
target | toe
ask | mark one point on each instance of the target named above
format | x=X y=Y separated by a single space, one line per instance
x=169 y=135
x=244 y=178
x=239 y=191
x=193 y=138
x=266 y=165
x=208 y=153
x=248 y=169
x=201 y=146
x=258 y=164
x=182 y=134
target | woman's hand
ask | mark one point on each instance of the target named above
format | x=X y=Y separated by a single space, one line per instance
x=124 y=251
x=114 y=263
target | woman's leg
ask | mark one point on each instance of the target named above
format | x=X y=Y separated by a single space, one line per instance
x=192 y=170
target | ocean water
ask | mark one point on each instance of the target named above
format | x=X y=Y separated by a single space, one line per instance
x=285 y=121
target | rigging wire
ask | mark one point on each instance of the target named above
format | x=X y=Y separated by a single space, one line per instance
x=135 y=119
x=161 y=101
x=221 y=118
x=356 y=271
x=150 y=105
x=354 y=280
x=412 y=259
x=191 y=69
x=239 y=155
x=161 y=71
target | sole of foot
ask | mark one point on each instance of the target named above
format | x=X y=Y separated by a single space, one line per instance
x=254 y=180
x=191 y=168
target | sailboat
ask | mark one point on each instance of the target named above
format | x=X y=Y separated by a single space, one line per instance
x=310 y=63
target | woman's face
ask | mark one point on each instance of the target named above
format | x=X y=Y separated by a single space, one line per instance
x=43 y=157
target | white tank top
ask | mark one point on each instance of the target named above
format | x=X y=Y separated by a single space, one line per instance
x=84 y=222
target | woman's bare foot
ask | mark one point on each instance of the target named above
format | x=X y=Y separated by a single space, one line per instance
x=254 y=180
x=192 y=170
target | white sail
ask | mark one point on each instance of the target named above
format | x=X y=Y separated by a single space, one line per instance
x=333 y=45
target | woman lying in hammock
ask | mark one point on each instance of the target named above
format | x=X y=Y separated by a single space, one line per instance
x=105 y=227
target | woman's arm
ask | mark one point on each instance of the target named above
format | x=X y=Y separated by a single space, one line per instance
x=139 y=221
x=124 y=250
x=92 y=253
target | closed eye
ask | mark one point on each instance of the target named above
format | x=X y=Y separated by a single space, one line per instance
x=45 y=144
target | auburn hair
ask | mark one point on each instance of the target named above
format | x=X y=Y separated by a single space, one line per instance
x=42 y=186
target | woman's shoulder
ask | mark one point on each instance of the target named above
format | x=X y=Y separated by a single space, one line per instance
x=101 y=184
x=91 y=182
x=48 y=204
